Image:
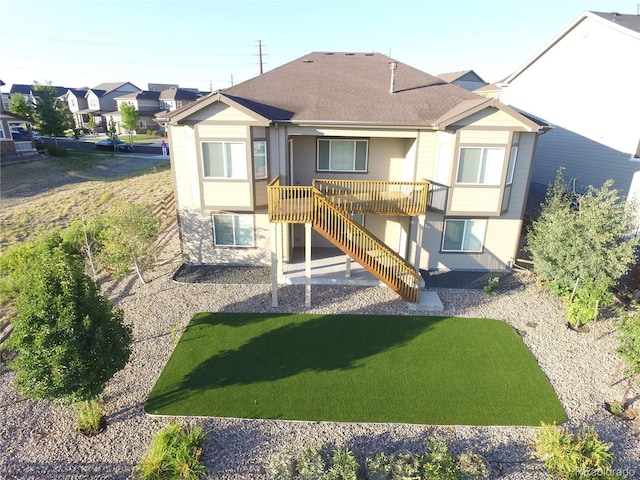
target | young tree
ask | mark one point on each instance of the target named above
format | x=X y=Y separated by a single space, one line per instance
x=18 y=105
x=70 y=339
x=130 y=117
x=52 y=116
x=84 y=236
x=628 y=327
x=92 y=123
x=581 y=246
x=128 y=238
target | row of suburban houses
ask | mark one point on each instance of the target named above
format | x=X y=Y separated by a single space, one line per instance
x=398 y=170
x=95 y=107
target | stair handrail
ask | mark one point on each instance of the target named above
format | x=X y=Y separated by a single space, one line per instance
x=365 y=248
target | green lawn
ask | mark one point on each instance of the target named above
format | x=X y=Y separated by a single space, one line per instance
x=355 y=368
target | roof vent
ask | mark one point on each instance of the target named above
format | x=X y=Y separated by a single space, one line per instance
x=349 y=54
x=393 y=66
x=328 y=53
x=306 y=60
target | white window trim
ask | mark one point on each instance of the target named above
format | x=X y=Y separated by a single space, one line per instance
x=266 y=160
x=235 y=245
x=464 y=233
x=511 y=166
x=482 y=149
x=224 y=153
x=354 y=140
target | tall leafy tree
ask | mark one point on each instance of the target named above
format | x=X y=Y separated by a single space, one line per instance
x=18 y=105
x=52 y=116
x=128 y=238
x=581 y=245
x=130 y=117
x=70 y=339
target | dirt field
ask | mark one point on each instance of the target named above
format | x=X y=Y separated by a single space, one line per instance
x=38 y=196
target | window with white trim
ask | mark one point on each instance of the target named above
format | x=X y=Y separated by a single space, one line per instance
x=339 y=155
x=480 y=165
x=231 y=230
x=512 y=165
x=224 y=160
x=463 y=235
x=259 y=159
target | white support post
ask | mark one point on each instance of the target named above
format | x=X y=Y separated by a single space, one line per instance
x=280 y=249
x=274 y=265
x=347 y=271
x=307 y=265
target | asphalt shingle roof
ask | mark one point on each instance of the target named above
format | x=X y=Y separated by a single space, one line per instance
x=349 y=87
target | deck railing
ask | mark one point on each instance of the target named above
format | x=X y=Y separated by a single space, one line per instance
x=329 y=214
x=379 y=197
x=337 y=226
x=289 y=204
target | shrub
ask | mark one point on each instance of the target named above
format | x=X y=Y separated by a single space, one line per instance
x=472 y=466
x=581 y=245
x=174 y=454
x=57 y=151
x=490 y=287
x=572 y=457
x=439 y=463
x=311 y=465
x=90 y=419
x=378 y=466
x=281 y=467
x=344 y=465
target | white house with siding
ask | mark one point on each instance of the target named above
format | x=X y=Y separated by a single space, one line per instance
x=401 y=171
x=586 y=84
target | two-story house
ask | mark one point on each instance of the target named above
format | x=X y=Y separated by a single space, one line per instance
x=398 y=169
x=150 y=103
x=101 y=103
x=585 y=84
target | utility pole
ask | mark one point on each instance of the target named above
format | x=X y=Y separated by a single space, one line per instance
x=232 y=79
x=260 y=56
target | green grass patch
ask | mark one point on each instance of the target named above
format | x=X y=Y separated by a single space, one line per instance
x=355 y=368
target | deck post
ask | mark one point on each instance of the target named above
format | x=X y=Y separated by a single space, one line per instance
x=307 y=265
x=280 y=249
x=347 y=270
x=274 y=265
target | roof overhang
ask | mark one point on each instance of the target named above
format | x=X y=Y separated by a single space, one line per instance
x=182 y=115
x=470 y=107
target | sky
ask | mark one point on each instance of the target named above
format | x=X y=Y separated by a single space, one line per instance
x=214 y=44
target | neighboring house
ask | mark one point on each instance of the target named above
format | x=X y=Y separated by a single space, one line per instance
x=467 y=79
x=151 y=103
x=491 y=90
x=333 y=141
x=76 y=99
x=173 y=98
x=146 y=103
x=10 y=148
x=101 y=103
x=585 y=83
x=29 y=93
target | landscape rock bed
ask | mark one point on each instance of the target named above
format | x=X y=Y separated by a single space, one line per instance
x=37 y=439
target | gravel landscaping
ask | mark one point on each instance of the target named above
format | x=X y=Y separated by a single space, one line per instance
x=37 y=439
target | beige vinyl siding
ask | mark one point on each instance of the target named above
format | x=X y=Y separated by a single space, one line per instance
x=484 y=137
x=227 y=194
x=497 y=248
x=428 y=143
x=492 y=117
x=184 y=163
x=219 y=112
x=197 y=240
x=261 y=198
x=225 y=132
x=386 y=160
x=475 y=199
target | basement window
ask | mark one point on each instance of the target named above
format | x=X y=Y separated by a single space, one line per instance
x=233 y=230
